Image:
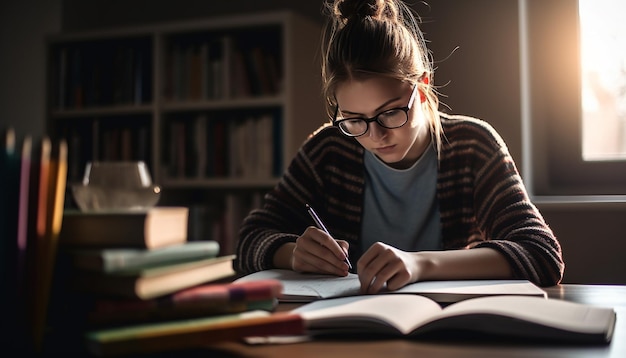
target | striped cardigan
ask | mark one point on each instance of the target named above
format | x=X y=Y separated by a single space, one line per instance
x=482 y=201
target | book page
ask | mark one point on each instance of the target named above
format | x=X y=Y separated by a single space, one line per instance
x=515 y=316
x=457 y=290
x=304 y=287
x=371 y=313
x=559 y=314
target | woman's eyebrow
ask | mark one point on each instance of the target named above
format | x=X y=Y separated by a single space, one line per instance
x=375 y=110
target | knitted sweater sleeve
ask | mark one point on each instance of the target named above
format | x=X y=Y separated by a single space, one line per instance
x=502 y=212
x=281 y=219
x=318 y=175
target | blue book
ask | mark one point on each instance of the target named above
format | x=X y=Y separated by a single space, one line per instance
x=112 y=260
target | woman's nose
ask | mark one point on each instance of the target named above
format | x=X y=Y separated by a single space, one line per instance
x=376 y=132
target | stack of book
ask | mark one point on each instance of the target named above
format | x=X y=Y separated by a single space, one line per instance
x=131 y=271
x=140 y=254
x=189 y=319
x=111 y=279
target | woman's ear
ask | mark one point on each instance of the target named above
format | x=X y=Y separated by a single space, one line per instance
x=424 y=79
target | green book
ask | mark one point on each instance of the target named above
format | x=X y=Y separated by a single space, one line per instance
x=154 y=281
x=110 y=260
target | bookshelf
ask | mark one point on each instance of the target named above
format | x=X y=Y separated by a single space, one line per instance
x=216 y=107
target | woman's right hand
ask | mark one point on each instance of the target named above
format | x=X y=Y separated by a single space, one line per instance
x=315 y=251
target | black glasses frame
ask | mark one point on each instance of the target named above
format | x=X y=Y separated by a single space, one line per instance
x=367 y=121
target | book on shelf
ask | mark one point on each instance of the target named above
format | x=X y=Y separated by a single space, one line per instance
x=190 y=333
x=206 y=146
x=251 y=147
x=200 y=141
x=195 y=67
x=151 y=228
x=199 y=69
x=205 y=300
x=406 y=315
x=111 y=73
x=306 y=287
x=239 y=76
x=218 y=85
x=219 y=129
x=260 y=71
x=155 y=281
x=110 y=260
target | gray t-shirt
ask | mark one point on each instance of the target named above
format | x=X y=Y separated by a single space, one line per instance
x=401 y=207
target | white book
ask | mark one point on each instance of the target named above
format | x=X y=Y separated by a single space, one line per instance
x=304 y=287
x=413 y=315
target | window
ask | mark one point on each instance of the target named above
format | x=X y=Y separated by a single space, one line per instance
x=603 y=79
x=573 y=146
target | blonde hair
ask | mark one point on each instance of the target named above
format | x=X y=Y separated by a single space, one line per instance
x=366 y=38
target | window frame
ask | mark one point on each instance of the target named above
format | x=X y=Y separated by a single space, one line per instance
x=551 y=110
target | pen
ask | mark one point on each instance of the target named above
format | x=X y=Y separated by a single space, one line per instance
x=321 y=225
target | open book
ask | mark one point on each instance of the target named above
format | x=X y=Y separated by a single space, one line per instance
x=304 y=287
x=414 y=315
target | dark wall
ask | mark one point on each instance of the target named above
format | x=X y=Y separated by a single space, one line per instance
x=593 y=240
x=23 y=27
x=87 y=15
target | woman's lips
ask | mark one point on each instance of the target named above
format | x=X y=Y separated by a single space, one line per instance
x=386 y=149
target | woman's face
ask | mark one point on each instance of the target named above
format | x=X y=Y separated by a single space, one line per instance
x=399 y=147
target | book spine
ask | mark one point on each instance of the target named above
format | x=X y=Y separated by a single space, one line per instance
x=83 y=230
x=114 y=260
x=245 y=291
x=191 y=333
x=203 y=300
x=105 y=314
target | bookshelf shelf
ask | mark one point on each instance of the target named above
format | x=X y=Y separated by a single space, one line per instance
x=216 y=107
x=259 y=102
x=102 y=111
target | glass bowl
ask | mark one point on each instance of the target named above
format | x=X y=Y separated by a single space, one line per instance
x=116 y=186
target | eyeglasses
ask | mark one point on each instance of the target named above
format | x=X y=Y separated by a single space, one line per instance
x=391 y=118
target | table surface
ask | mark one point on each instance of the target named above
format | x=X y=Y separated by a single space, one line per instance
x=599 y=295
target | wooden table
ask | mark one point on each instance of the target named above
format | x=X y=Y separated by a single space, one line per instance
x=600 y=295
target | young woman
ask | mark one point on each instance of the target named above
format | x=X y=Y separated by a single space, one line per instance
x=406 y=192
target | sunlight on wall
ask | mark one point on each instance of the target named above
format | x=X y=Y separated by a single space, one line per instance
x=603 y=60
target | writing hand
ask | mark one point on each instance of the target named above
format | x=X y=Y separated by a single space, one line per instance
x=386 y=265
x=316 y=251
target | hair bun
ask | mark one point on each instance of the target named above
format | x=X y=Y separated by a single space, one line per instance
x=359 y=8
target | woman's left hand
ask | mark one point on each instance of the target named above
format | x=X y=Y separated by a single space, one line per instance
x=383 y=264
